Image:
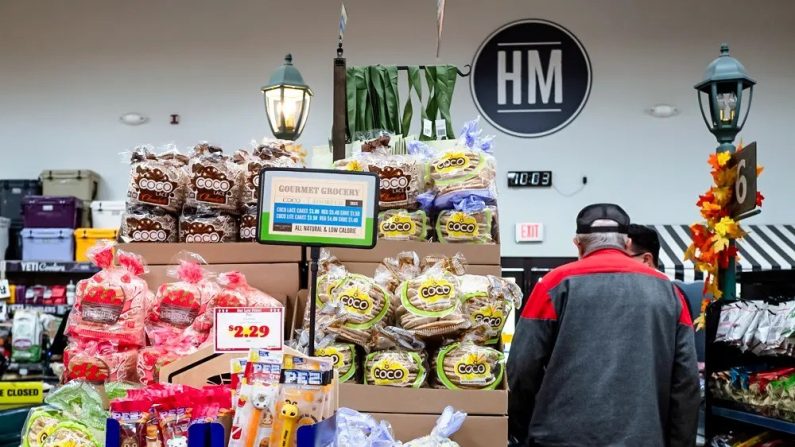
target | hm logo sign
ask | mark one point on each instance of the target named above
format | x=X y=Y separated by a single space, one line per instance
x=531 y=78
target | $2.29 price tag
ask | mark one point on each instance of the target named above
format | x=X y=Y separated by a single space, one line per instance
x=238 y=329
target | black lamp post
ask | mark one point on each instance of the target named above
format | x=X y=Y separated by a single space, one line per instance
x=728 y=91
x=287 y=100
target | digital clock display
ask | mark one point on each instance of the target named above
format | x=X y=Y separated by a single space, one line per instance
x=530 y=179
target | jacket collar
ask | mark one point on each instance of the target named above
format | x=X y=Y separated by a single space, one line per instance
x=606 y=251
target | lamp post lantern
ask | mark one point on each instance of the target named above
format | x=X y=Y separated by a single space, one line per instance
x=727 y=90
x=287 y=100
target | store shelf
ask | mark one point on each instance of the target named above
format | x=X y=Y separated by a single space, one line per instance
x=58 y=309
x=47 y=267
x=755 y=419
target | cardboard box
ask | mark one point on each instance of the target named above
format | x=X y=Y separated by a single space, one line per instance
x=226 y=253
x=279 y=280
x=475 y=254
x=477 y=431
x=384 y=399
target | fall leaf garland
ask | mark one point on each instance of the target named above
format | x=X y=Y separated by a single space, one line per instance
x=711 y=248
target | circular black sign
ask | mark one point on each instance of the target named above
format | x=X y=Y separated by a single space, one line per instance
x=531 y=78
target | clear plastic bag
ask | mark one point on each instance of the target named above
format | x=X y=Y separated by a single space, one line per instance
x=100 y=361
x=214 y=180
x=207 y=225
x=110 y=306
x=488 y=300
x=471 y=221
x=142 y=223
x=397 y=360
x=448 y=423
x=157 y=180
x=430 y=304
x=467 y=366
x=356 y=429
x=363 y=305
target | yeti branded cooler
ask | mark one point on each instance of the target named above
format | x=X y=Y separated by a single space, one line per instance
x=52 y=212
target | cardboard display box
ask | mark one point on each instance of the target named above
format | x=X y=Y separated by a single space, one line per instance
x=475 y=254
x=384 y=399
x=225 y=253
x=477 y=431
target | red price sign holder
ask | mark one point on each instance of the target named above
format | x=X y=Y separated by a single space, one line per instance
x=238 y=329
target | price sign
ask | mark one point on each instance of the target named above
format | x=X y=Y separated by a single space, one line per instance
x=238 y=329
x=744 y=162
x=314 y=207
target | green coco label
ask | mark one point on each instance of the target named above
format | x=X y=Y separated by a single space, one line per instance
x=389 y=372
x=398 y=225
x=462 y=225
x=452 y=161
x=356 y=301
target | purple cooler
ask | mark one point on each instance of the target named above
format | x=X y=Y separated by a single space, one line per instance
x=51 y=212
x=48 y=244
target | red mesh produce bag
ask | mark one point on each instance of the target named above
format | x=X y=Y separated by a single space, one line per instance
x=110 y=305
x=178 y=304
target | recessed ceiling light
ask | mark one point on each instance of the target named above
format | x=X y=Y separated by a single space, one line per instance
x=662 y=111
x=133 y=119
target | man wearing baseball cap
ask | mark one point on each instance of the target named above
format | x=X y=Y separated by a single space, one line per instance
x=603 y=353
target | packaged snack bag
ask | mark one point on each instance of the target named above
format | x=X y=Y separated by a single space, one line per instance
x=392 y=272
x=467 y=366
x=467 y=170
x=79 y=403
x=157 y=180
x=100 y=361
x=235 y=292
x=205 y=225
x=271 y=155
x=215 y=181
x=488 y=300
x=110 y=306
x=142 y=223
x=471 y=221
x=398 y=360
x=26 y=337
x=133 y=417
x=403 y=225
x=34 y=432
x=178 y=304
x=71 y=433
x=363 y=307
x=430 y=304
x=248 y=224
x=152 y=358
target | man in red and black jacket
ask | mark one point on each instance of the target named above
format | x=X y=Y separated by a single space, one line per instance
x=603 y=353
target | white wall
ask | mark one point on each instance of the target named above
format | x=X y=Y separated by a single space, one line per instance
x=68 y=70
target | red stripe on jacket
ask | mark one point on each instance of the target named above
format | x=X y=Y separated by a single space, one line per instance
x=540 y=307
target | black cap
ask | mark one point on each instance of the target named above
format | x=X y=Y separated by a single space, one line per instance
x=600 y=211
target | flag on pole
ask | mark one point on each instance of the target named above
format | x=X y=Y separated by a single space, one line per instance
x=439 y=24
x=343 y=21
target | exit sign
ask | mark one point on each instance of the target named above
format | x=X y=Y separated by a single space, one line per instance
x=529 y=232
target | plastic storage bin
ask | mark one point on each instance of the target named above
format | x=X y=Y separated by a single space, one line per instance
x=11 y=194
x=52 y=212
x=107 y=214
x=48 y=244
x=5 y=228
x=80 y=183
x=86 y=238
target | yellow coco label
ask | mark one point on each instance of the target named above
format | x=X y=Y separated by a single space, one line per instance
x=489 y=315
x=462 y=225
x=452 y=161
x=434 y=290
x=356 y=300
x=398 y=225
x=333 y=353
x=389 y=372
x=473 y=369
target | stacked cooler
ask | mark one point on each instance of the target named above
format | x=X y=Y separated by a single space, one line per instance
x=12 y=192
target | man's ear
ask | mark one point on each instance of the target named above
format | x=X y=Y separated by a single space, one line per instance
x=628 y=246
x=648 y=259
x=578 y=245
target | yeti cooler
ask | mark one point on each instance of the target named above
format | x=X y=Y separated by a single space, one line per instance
x=48 y=244
x=80 y=183
x=52 y=212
